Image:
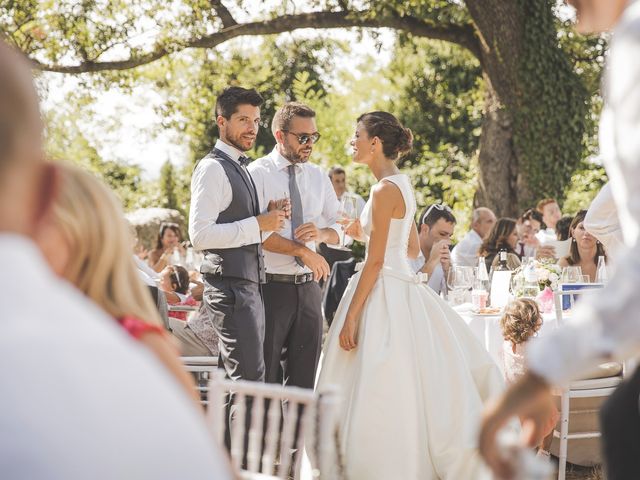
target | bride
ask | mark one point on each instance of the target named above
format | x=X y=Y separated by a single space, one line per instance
x=411 y=375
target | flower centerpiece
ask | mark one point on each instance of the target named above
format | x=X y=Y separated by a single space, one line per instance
x=547 y=275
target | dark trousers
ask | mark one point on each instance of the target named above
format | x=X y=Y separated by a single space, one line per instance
x=293 y=333
x=620 y=426
x=236 y=311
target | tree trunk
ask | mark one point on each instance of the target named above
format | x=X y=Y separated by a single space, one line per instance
x=497 y=188
x=535 y=107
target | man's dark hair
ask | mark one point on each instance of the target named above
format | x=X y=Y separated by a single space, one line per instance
x=562 y=227
x=336 y=171
x=231 y=97
x=435 y=212
x=533 y=214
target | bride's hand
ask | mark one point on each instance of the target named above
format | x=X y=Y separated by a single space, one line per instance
x=353 y=228
x=348 y=334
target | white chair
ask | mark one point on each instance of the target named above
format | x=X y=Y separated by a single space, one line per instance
x=201 y=368
x=272 y=450
x=600 y=383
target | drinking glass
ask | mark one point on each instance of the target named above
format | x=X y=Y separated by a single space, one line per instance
x=459 y=280
x=571 y=274
x=348 y=211
x=585 y=279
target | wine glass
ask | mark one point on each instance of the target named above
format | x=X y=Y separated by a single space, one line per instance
x=349 y=213
x=571 y=274
x=459 y=280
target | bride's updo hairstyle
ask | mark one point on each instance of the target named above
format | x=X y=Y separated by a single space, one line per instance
x=396 y=139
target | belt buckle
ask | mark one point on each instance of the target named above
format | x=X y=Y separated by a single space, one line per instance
x=301 y=278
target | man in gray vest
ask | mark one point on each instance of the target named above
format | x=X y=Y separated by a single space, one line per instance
x=225 y=222
x=292 y=296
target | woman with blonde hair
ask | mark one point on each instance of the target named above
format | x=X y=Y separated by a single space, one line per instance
x=87 y=242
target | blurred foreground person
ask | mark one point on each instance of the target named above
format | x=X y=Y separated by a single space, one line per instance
x=83 y=212
x=80 y=399
x=604 y=324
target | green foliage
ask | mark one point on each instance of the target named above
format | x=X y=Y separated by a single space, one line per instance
x=168 y=186
x=65 y=141
x=585 y=183
x=548 y=81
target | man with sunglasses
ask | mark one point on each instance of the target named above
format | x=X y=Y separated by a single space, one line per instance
x=434 y=231
x=292 y=296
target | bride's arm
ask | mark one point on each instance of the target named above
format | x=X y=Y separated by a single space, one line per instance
x=385 y=199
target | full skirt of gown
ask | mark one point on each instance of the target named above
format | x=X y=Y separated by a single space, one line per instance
x=413 y=389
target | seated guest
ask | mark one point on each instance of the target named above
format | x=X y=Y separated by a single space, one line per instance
x=174 y=282
x=584 y=250
x=503 y=236
x=84 y=214
x=465 y=253
x=79 y=399
x=528 y=225
x=169 y=241
x=434 y=232
x=562 y=228
x=551 y=213
x=519 y=323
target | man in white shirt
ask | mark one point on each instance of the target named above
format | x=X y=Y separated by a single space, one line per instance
x=603 y=325
x=338 y=178
x=436 y=227
x=225 y=223
x=292 y=296
x=465 y=253
x=551 y=213
x=80 y=398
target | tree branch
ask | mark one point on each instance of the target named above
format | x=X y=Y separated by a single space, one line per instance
x=462 y=35
x=223 y=13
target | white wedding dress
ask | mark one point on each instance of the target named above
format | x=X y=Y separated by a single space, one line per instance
x=413 y=389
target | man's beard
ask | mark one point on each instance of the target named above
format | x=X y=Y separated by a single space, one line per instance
x=290 y=154
x=235 y=141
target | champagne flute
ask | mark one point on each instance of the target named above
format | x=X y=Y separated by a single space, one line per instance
x=349 y=213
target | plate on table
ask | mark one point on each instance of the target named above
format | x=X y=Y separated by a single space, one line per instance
x=486 y=312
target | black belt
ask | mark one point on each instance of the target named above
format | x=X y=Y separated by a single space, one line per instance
x=295 y=279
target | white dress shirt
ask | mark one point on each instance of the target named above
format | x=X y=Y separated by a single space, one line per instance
x=602 y=222
x=606 y=323
x=211 y=194
x=319 y=202
x=465 y=253
x=80 y=397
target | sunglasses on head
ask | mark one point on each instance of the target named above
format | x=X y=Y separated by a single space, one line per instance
x=437 y=206
x=304 y=138
x=176 y=277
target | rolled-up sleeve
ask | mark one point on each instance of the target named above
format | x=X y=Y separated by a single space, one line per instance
x=210 y=194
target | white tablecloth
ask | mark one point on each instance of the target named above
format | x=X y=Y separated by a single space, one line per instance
x=487 y=329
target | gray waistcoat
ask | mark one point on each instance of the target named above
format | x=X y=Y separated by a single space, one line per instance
x=244 y=262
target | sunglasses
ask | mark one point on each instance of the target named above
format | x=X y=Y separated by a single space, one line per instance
x=304 y=138
x=437 y=206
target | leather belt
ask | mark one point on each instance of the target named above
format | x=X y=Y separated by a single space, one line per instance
x=295 y=279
